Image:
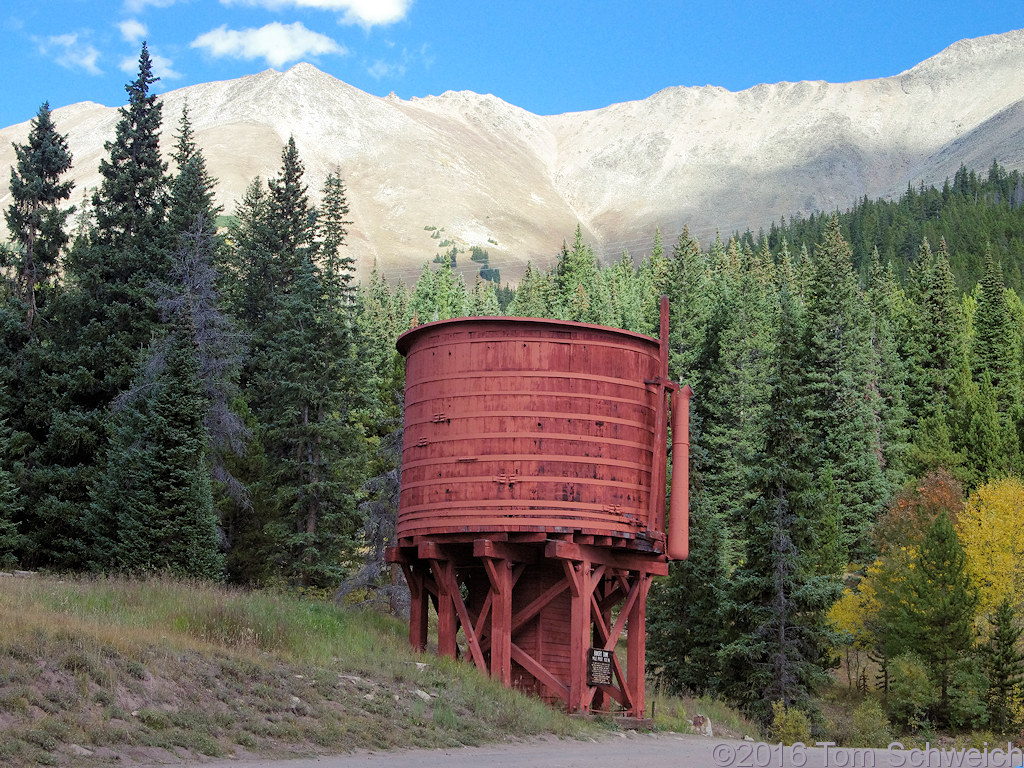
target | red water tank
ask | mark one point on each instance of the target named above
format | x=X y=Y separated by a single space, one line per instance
x=532 y=507
x=516 y=424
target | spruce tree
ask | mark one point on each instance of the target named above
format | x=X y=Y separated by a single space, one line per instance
x=935 y=344
x=629 y=302
x=1004 y=665
x=439 y=294
x=581 y=293
x=887 y=304
x=787 y=579
x=101 y=325
x=991 y=445
x=154 y=504
x=483 y=301
x=995 y=352
x=291 y=213
x=302 y=381
x=11 y=504
x=844 y=401
x=35 y=217
x=688 y=612
x=338 y=266
x=250 y=280
x=131 y=202
x=735 y=386
x=687 y=285
x=191 y=191
x=930 y=609
x=534 y=296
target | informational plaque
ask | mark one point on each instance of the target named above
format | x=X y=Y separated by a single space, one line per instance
x=599 y=667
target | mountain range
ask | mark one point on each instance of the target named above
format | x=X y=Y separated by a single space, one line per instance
x=472 y=170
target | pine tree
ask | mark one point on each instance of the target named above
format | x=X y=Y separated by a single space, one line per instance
x=302 y=381
x=1004 y=665
x=101 y=325
x=11 y=504
x=580 y=291
x=930 y=609
x=687 y=612
x=192 y=196
x=787 y=579
x=936 y=333
x=844 y=404
x=995 y=352
x=35 y=217
x=154 y=505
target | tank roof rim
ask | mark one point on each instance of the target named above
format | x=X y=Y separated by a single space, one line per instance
x=405 y=339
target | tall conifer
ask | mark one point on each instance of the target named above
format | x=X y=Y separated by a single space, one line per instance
x=841 y=369
x=780 y=643
x=35 y=217
x=102 y=323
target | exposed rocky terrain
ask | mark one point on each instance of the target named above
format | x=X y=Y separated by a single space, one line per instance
x=516 y=183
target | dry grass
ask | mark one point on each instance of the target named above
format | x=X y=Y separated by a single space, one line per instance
x=675 y=713
x=152 y=670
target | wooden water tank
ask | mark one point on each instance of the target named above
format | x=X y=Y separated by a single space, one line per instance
x=532 y=507
x=516 y=424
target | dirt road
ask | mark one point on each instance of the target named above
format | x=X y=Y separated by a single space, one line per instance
x=635 y=750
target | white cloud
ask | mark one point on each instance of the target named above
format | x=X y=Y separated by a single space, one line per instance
x=277 y=43
x=138 y=6
x=381 y=68
x=367 y=13
x=162 y=66
x=70 y=52
x=131 y=30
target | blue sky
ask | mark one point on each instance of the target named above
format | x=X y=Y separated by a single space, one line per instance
x=546 y=56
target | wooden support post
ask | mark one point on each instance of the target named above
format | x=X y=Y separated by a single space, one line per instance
x=500 y=574
x=582 y=588
x=603 y=607
x=447 y=619
x=636 y=643
x=417 y=607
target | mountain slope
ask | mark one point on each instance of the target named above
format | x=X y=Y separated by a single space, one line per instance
x=516 y=183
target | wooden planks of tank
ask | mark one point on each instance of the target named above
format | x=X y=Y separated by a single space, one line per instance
x=531 y=513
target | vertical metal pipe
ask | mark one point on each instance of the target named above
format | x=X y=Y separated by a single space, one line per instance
x=678 y=544
x=656 y=515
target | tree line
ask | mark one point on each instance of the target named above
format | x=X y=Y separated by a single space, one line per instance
x=174 y=398
x=226 y=404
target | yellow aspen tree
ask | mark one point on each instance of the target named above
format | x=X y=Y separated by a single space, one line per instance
x=992 y=536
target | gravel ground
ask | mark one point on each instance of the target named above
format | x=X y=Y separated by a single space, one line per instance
x=628 y=749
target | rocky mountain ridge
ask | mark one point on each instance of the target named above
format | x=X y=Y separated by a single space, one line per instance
x=494 y=175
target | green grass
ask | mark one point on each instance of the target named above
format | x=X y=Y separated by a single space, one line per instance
x=162 y=669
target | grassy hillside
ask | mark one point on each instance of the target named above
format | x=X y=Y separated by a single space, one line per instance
x=96 y=672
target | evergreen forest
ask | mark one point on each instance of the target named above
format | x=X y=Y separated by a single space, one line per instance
x=225 y=403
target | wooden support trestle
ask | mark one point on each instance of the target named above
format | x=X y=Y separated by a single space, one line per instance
x=529 y=612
